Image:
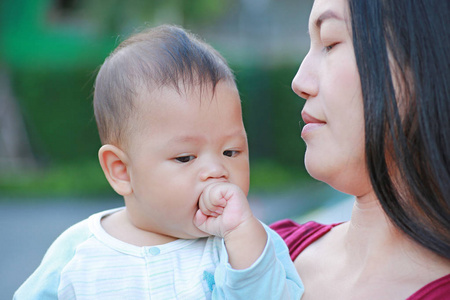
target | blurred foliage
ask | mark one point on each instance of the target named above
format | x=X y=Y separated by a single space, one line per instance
x=271 y=113
x=35 y=34
x=68 y=33
x=57 y=107
x=60 y=117
x=268 y=176
x=121 y=15
x=65 y=139
x=85 y=178
x=52 y=50
x=77 y=178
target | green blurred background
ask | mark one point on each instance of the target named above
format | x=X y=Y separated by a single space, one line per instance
x=50 y=51
x=49 y=55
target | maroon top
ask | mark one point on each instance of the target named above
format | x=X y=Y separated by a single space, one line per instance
x=299 y=236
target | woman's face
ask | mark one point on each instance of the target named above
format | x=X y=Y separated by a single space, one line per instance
x=329 y=81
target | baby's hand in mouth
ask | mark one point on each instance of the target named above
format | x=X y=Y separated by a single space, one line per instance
x=222 y=207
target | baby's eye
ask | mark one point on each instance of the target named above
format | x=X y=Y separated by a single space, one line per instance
x=230 y=153
x=185 y=159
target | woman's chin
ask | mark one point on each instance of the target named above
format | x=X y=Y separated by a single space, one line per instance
x=317 y=168
x=352 y=183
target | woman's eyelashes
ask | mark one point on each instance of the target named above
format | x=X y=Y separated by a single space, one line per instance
x=329 y=47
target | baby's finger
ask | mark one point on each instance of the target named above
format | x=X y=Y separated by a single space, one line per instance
x=205 y=206
x=200 y=219
x=215 y=193
x=212 y=199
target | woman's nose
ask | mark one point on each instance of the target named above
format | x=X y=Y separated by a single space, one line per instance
x=213 y=169
x=305 y=83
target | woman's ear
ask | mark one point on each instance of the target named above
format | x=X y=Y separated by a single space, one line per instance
x=115 y=166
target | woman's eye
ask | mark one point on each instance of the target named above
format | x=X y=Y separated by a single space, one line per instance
x=230 y=153
x=185 y=159
x=329 y=47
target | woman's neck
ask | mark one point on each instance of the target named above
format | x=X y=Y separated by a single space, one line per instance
x=369 y=230
x=372 y=243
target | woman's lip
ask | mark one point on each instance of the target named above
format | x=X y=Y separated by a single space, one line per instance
x=311 y=123
x=310 y=127
x=307 y=118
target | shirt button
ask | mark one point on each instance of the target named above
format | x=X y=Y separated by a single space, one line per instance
x=154 y=251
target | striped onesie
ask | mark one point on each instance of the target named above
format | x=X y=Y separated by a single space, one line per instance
x=85 y=262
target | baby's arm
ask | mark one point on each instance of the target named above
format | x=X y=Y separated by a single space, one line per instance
x=225 y=212
x=256 y=263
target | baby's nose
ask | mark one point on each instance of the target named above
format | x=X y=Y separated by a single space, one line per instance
x=213 y=169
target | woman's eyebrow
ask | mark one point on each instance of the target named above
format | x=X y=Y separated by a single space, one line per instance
x=329 y=14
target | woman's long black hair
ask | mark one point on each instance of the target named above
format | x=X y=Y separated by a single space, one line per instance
x=402 y=52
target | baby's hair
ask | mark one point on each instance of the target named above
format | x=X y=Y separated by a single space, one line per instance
x=165 y=56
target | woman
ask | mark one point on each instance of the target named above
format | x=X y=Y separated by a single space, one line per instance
x=376 y=84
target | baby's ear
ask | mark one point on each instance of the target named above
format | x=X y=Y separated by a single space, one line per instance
x=114 y=164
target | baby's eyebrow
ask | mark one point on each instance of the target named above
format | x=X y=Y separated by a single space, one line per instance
x=238 y=132
x=185 y=139
x=197 y=139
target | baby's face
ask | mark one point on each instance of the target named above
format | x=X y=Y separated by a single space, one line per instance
x=183 y=144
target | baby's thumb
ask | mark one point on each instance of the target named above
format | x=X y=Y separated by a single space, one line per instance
x=199 y=220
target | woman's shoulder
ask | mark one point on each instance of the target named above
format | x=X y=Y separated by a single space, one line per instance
x=299 y=236
x=438 y=289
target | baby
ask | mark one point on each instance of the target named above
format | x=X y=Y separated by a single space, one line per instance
x=174 y=146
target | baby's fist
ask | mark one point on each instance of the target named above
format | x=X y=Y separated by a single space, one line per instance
x=222 y=208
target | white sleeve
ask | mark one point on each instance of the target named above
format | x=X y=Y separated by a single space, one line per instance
x=44 y=282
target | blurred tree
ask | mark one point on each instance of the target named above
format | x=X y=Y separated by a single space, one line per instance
x=15 y=150
x=51 y=49
x=36 y=35
x=45 y=39
x=119 y=16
